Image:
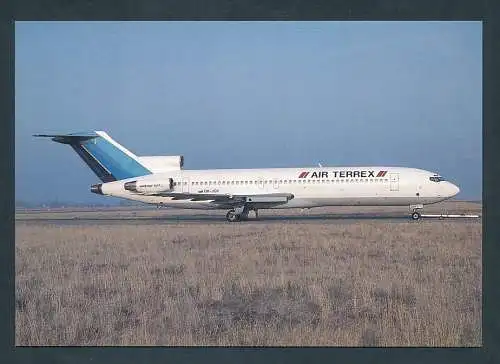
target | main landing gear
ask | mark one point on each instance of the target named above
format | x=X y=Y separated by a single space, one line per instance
x=232 y=216
x=240 y=214
x=415 y=214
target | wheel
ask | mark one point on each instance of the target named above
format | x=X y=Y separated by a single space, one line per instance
x=415 y=215
x=231 y=216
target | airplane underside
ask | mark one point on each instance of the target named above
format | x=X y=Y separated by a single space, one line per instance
x=241 y=212
x=304 y=203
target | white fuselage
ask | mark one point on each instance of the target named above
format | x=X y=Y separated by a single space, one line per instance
x=311 y=187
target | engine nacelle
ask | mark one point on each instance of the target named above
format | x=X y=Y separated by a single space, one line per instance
x=149 y=185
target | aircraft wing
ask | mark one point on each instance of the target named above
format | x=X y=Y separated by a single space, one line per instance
x=230 y=200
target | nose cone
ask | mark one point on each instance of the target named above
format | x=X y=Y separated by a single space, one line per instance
x=454 y=190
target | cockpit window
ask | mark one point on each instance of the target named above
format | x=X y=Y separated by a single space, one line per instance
x=436 y=179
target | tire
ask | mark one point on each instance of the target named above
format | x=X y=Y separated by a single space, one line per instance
x=415 y=215
x=231 y=216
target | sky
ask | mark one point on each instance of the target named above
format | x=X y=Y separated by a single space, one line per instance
x=249 y=95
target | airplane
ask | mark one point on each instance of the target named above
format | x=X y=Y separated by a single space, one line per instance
x=162 y=181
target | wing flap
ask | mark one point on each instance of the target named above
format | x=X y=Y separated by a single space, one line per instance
x=270 y=198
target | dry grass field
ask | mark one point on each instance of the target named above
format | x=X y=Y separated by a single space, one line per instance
x=273 y=283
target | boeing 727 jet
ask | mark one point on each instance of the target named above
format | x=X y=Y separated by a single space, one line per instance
x=162 y=181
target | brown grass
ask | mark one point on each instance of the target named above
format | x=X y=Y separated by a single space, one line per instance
x=373 y=283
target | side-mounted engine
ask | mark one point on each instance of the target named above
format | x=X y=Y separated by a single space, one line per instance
x=147 y=185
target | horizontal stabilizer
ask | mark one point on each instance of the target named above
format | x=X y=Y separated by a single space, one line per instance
x=69 y=138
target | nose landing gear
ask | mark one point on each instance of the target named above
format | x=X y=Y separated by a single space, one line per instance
x=415 y=214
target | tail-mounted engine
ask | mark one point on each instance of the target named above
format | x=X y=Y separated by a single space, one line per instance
x=147 y=186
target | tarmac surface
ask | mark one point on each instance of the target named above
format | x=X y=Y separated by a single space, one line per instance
x=214 y=218
x=327 y=215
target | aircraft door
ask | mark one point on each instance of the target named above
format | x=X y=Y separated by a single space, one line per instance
x=261 y=183
x=276 y=183
x=394 y=181
x=185 y=185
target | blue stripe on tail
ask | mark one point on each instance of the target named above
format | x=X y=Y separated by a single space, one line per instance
x=118 y=163
x=101 y=172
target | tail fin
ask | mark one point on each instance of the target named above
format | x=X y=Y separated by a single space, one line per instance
x=109 y=160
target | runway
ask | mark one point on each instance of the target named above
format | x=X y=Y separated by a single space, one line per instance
x=220 y=219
